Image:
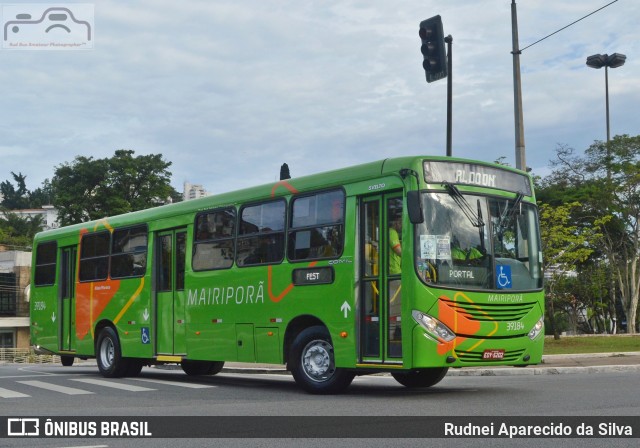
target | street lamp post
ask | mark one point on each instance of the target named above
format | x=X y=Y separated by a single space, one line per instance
x=604 y=60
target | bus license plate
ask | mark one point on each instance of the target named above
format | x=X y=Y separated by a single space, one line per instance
x=493 y=354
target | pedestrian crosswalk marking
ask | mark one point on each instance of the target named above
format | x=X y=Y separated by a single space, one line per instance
x=113 y=384
x=56 y=388
x=174 y=383
x=6 y=393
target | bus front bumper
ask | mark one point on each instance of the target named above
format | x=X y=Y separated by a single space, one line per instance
x=475 y=351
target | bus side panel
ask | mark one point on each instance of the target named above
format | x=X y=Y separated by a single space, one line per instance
x=209 y=341
x=44 y=314
x=124 y=304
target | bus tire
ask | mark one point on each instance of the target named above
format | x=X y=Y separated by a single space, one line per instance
x=67 y=361
x=199 y=368
x=109 y=355
x=420 y=377
x=312 y=363
x=216 y=367
x=134 y=367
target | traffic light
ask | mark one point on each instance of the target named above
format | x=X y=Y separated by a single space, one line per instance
x=435 y=58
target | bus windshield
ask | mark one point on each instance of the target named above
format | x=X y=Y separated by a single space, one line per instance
x=478 y=242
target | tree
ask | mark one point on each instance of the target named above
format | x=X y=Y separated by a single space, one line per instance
x=21 y=198
x=16 y=230
x=607 y=182
x=89 y=188
x=41 y=196
x=15 y=198
x=564 y=245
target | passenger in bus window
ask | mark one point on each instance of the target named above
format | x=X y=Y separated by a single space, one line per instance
x=395 y=246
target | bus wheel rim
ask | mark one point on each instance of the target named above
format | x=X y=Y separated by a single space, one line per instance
x=317 y=360
x=107 y=352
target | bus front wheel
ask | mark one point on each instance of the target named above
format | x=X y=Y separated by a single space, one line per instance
x=421 y=377
x=312 y=363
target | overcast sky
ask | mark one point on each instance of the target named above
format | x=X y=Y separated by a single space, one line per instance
x=229 y=90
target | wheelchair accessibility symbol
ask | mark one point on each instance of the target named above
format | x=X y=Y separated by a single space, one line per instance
x=144 y=335
x=503 y=277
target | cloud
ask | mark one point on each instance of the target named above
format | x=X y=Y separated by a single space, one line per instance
x=229 y=90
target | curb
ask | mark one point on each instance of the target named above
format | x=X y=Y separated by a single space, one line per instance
x=467 y=371
x=528 y=371
x=591 y=355
x=540 y=369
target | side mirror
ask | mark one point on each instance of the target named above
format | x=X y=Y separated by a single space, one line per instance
x=414 y=207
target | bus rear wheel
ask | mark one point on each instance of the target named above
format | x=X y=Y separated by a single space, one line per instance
x=421 y=377
x=312 y=363
x=109 y=355
x=198 y=368
x=67 y=361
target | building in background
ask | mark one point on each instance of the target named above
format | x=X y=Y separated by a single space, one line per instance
x=15 y=267
x=48 y=212
x=193 y=191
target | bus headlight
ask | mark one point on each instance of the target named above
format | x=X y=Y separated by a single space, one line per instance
x=537 y=328
x=433 y=326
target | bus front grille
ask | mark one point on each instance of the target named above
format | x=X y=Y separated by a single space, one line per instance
x=490 y=312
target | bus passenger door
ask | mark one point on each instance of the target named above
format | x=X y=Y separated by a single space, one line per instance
x=66 y=297
x=170 y=328
x=380 y=296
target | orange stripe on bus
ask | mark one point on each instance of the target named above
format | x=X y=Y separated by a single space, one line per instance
x=130 y=302
x=284 y=184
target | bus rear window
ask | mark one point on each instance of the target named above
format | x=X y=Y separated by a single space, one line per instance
x=94 y=257
x=45 y=274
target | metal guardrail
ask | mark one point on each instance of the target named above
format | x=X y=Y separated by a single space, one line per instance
x=25 y=356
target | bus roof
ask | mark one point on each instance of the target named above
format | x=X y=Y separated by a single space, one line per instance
x=384 y=167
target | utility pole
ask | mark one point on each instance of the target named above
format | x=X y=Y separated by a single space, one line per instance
x=449 y=42
x=521 y=163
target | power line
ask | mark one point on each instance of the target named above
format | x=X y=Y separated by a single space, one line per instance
x=563 y=28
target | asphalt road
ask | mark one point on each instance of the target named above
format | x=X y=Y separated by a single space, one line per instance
x=585 y=391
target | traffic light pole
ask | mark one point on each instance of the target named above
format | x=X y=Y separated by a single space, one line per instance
x=436 y=64
x=449 y=41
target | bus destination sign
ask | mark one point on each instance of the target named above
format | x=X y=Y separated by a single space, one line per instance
x=436 y=171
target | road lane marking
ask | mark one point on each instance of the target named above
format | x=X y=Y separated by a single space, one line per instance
x=6 y=393
x=114 y=385
x=174 y=383
x=56 y=388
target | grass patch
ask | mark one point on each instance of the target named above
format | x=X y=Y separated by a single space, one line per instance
x=591 y=344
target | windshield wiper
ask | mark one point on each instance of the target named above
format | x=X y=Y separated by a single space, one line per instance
x=481 y=229
x=476 y=220
x=510 y=212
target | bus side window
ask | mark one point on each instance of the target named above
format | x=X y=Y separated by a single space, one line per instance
x=94 y=256
x=45 y=264
x=261 y=233
x=317 y=226
x=214 y=246
x=129 y=252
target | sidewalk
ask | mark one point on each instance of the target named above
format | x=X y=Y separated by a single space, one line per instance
x=551 y=365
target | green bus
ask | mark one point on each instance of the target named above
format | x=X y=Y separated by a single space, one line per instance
x=408 y=265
